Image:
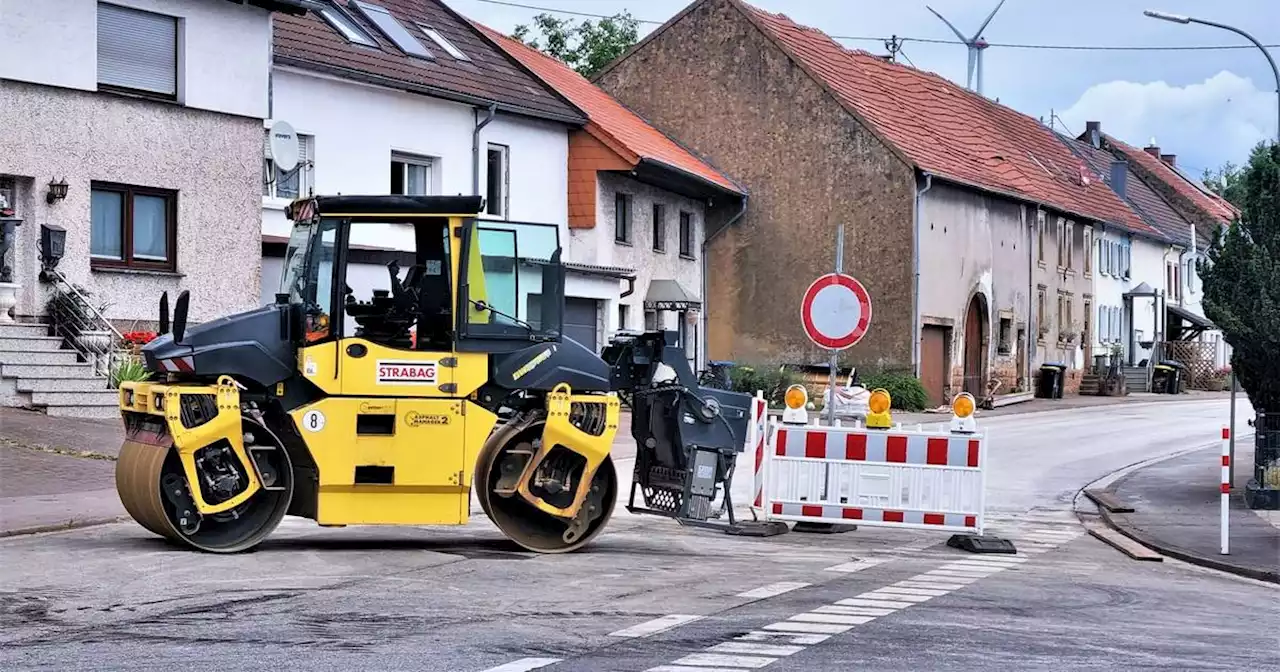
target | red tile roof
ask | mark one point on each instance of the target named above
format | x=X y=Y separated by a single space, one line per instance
x=946 y=130
x=612 y=123
x=1164 y=222
x=309 y=42
x=1212 y=205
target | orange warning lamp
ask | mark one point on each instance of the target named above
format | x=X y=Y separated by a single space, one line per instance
x=962 y=407
x=878 y=409
x=796 y=399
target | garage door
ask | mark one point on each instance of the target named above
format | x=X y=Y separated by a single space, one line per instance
x=580 y=318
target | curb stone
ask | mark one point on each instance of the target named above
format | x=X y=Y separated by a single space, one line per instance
x=73 y=524
x=1120 y=523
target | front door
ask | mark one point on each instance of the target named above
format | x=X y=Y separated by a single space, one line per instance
x=933 y=363
x=975 y=347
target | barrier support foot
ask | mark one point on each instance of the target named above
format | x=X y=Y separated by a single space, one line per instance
x=823 y=528
x=757 y=528
x=975 y=543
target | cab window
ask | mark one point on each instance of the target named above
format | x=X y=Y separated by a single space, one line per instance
x=399 y=298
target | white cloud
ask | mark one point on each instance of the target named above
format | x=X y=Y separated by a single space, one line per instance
x=1205 y=124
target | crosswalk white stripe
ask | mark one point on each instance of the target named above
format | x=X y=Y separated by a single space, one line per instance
x=686 y=668
x=816 y=628
x=807 y=639
x=655 y=626
x=931 y=585
x=852 y=611
x=721 y=660
x=831 y=618
x=858 y=566
x=906 y=590
x=773 y=589
x=880 y=603
x=524 y=665
x=877 y=595
x=756 y=649
x=965 y=580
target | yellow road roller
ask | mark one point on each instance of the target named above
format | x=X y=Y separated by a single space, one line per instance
x=372 y=393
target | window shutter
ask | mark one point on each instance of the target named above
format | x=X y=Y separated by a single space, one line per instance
x=137 y=50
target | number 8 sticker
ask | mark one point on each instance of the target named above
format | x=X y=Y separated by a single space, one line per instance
x=313 y=421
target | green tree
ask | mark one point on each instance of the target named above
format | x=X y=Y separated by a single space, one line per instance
x=1225 y=182
x=1242 y=280
x=585 y=46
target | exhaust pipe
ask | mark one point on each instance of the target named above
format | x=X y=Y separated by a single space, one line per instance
x=164 y=314
x=180 y=316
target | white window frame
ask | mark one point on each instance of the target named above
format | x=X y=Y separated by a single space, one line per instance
x=428 y=162
x=443 y=42
x=504 y=200
x=305 y=169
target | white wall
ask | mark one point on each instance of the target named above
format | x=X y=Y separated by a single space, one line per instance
x=223 y=49
x=357 y=127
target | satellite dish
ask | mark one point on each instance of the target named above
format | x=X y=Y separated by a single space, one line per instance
x=283 y=142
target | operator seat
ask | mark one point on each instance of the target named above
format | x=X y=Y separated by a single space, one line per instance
x=435 y=314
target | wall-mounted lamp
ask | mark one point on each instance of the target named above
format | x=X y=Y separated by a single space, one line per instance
x=57 y=191
x=53 y=244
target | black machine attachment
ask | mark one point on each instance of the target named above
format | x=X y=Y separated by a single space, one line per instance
x=687 y=436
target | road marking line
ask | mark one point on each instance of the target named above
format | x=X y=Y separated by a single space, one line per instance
x=979 y=564
x=524 y=665
x=853 y=611
x=1065 y=533
x=686 y=668
x=952 y=574
x=931 y=585
x=964 y=580
x=721 y=660
x=831 y=618
x=993 y=557
x=906 y=590
x=773 y=589
x=756 y=649
x=973 y=570
x=877 y=595
x=655 y=626
x=813 y=628
x=857 y=566
x=879 y=604
x=795 y=638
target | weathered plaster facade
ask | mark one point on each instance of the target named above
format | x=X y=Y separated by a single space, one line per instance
x=974 y=255
x=741 y=102
x=1063 y=303
x=212 y=160
x=599 y=246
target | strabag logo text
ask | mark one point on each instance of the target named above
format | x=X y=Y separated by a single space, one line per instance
x=406 y=373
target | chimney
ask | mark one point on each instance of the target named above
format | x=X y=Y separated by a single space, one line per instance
x=1119 y=176
x=1152 y=149
x=1093 y=130
x=1171 y=159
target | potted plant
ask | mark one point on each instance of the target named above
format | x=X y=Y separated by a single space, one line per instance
x=134 y=340
x=79 y=321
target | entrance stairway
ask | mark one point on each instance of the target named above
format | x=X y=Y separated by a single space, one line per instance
x=38 y=372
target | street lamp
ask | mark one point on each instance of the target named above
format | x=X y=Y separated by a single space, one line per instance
x=1178 y=18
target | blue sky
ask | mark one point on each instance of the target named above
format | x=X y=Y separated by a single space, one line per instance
x=1206 y=107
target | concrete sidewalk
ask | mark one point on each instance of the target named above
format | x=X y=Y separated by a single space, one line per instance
x=56 y=472
x=1176 y=512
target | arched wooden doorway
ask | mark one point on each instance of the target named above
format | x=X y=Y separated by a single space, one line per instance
x=976 y=319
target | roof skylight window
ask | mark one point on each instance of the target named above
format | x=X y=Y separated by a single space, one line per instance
x=392 y=29
x=443 y=42
x=339 y=21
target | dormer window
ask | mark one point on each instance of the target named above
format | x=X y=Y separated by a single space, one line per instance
x=391 y=28
x=443 y=42
x=345 y=25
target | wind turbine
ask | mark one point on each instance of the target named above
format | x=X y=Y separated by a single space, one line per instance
x=976 y=44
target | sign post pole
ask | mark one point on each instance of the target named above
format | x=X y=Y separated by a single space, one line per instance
x=831 y=392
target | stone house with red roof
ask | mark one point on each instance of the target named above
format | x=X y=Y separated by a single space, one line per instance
x=969 y=223
x=409 y=97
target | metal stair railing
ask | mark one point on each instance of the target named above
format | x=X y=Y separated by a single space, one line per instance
x=83 y=326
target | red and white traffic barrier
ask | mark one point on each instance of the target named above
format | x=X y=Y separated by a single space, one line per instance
x=1226 y=487
x=892 y=478
x=757 y=436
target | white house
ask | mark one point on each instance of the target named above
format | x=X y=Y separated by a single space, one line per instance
x=407 y=97
x=135 y=126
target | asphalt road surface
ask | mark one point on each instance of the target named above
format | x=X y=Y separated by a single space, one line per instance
x=650 y=595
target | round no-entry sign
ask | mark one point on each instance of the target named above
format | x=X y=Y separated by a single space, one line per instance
x=836 y=311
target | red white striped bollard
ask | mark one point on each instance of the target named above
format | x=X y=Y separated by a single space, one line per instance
x=1226 y=485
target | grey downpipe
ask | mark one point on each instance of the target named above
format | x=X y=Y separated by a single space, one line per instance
x=915 y=262
x=706 y=300
x=475 y=146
